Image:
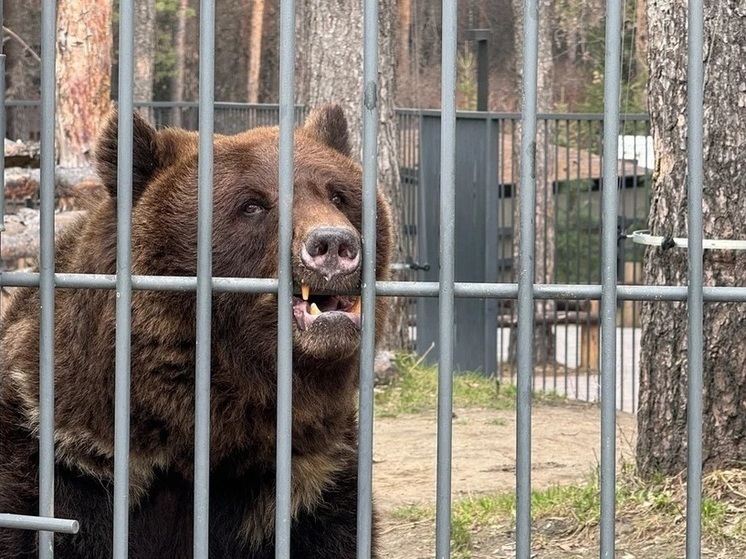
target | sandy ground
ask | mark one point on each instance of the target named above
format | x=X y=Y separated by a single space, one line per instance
x=565 y=448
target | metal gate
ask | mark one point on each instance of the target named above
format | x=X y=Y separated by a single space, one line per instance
x=444 y=287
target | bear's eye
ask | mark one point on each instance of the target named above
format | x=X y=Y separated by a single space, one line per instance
x=337 y=199
x=252 y=208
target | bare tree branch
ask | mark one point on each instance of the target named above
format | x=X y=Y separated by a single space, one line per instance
x=24 y=44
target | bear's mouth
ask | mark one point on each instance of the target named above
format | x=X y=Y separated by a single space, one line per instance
x=309 y=308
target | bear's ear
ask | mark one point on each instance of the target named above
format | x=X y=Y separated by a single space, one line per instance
x=328 y=124
x=145 y=156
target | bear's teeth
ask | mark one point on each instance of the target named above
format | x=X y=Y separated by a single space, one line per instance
x=355 y=309
x=314 y=309
x=305 y=291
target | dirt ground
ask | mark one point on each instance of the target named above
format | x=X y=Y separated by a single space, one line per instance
x=565 y=449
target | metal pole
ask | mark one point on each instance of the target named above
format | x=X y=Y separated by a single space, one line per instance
x=526 y=270
x=609 y=201
x=46 y=276
x=695 y=347
x=124 y=280
x=204 y=281
x=285 y=281
x=367 y=349
x=446 y=279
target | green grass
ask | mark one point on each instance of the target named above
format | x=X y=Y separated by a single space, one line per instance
x=655 y=508
x=415 y=390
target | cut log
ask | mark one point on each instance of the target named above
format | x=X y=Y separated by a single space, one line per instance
x=70 y=185
x=21 y=154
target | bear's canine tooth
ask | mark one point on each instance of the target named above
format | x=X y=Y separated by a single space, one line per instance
x=314 y=309
x=355 y=309
x=305 y=291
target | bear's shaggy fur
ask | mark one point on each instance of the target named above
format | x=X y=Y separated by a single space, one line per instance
x=326 y=243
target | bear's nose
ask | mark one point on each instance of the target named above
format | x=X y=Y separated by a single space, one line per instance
x=331 y=251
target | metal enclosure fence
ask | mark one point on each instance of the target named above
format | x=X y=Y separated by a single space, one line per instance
x=525 y=293
x=570 y=159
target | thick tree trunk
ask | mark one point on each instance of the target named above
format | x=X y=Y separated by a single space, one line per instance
x=329 y=68
x=144 y=53
x=256 y=29
x=662 y=443
x=544 y=342
x=83 y=77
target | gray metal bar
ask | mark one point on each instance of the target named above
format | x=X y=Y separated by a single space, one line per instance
x=46 y=276
x=609 y=203
x=526 y=272
x=446 y=279
x=124 y=280
x=695 y=345
x=25 y=522
x=285 y=281
x=204 y=283
x=388 y=288
x=2 y=125
x=367 y=342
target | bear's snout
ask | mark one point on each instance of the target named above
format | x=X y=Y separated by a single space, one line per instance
x=331 y=251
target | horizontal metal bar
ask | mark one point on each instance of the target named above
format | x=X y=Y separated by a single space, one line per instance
x=386 y=288
x=25 y=522
x=401 y=111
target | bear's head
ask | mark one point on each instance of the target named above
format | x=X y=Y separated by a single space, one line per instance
x=327 y=215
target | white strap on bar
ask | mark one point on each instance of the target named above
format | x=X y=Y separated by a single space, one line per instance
x=645 y=238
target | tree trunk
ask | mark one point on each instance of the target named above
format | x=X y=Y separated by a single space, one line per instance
x=22 y=64
x=405 y=21
x=83 y=77
x=255 y=49
x=544 y=342
x=180 y=66
x=144 y=53
x=329 y=68
x=662 y=445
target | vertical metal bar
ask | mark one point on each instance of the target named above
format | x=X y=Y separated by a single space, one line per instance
x=491 y=248
x=695 y=103
x=46 y=275
x=124 y=280
x=525 y=353
x=2 y=125
x=609 y=202
x=204 y=280
x=285 y=278
x=367 y=348
x=446 y=279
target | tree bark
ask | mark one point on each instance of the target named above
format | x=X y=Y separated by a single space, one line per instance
x=83 y=77
x=329 y=68
x=405 y=21
x=544 y=341
x=256 y=30
x=662 y=444
x=180 y=66
x=144 y=53
x=22 y=66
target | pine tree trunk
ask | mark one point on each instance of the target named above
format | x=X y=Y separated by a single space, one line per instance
x=83 y=77
x=329 y=68
x=144 y=53
x=255 y=49
x=22 y=66
x=180 y=66
x=662 y=443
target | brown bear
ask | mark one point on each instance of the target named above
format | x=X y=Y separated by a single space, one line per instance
x=327 y=211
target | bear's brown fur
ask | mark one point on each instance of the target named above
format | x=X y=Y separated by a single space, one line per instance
x=327 y=212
